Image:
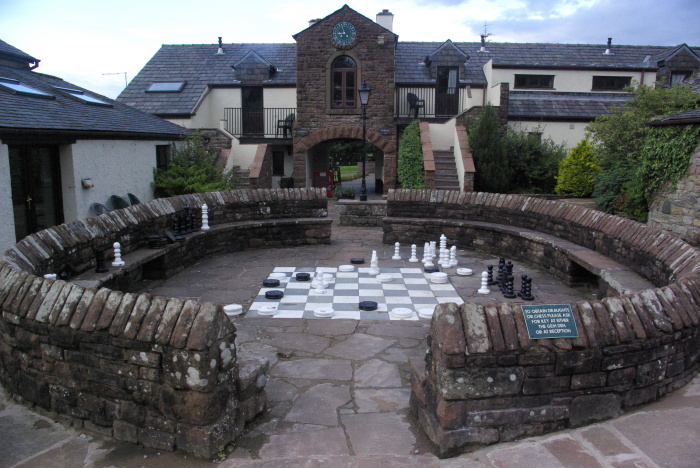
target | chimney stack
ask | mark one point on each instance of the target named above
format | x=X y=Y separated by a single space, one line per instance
x=608 y=51
x=385 y=18
x=314 y=21
x=221 y=48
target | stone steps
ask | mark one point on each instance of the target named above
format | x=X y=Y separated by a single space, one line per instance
x=445 y=170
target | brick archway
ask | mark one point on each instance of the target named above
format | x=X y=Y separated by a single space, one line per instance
x=387 y=144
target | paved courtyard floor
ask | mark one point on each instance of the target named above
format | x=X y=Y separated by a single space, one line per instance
x=338 y=389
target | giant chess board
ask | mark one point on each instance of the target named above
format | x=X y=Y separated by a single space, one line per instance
x=409 y=288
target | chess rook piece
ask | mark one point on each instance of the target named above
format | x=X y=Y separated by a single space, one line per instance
x=100 y=261
x=397 y=255
x=118 y=262
x=484 y=289
x=205 y=217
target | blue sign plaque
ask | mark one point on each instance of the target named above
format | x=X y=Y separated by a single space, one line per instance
x=549 y=321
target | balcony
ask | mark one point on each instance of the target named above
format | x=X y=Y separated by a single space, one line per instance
x=436 y=105
x=268 y=122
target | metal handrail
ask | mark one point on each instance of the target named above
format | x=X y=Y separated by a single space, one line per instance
x=266 y=122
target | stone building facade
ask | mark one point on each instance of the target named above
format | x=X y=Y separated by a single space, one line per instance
x=372 y=50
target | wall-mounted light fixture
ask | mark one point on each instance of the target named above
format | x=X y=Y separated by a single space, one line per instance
x=87 y=182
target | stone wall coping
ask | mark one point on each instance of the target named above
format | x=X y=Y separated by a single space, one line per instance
x=346 y=201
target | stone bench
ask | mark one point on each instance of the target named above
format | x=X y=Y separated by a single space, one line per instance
x=613 y=277
x=484 y=380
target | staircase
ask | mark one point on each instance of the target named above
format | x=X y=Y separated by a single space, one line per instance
x=445 y=170
x=240 y=178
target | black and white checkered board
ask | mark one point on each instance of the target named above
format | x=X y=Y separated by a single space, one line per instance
x=409 y=288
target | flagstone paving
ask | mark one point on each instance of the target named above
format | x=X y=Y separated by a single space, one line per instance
x=338 y=390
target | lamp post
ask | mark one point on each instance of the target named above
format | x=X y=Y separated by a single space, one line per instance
x=364 y=92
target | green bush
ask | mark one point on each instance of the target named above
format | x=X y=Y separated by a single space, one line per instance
x=410 y=162
x=488 y=147
x=577 y=172
x=629 y=173
x=192 y=169
x=509 y=160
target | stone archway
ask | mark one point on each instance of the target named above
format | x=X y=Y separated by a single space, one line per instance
x=387 y=144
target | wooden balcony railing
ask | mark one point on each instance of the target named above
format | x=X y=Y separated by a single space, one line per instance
x=268 y=122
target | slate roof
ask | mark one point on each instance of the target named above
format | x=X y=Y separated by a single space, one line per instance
x=64 y=113
x=531 y=105
x=200 y=67
x=687 y=117
x=12 y=51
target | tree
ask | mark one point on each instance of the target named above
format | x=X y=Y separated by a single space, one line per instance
x=411 y=173
x=619 y=139
x=577 y=172
x=192 y=169
x=489 y=151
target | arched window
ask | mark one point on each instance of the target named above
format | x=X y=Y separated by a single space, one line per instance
x=344 y=76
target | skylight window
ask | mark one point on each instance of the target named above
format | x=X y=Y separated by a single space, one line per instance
x=80 y=95
x=166 y=87
x=15 y=87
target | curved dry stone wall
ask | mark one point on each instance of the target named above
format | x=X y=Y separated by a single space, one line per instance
x=484 y=380
x=158 y=371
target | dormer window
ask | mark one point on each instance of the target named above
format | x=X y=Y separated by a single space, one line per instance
x=678 y=76
x=166 y=87
x=81 y=96
x=15 y=87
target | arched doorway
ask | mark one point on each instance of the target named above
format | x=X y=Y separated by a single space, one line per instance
x=312 y=154
x=346 y=154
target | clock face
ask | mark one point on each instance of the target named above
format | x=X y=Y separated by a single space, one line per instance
x=344 y=33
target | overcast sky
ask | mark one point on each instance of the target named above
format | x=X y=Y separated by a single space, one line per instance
x=83 y=40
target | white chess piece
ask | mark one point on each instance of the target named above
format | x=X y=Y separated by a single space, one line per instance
x=433 y=247
x=117 y=255
x=443 y=241
x=414 y=258
x=484 y=289
x=205 y=217
x=426 y=253
x=453 y=256
x=374 y=264
x=397 y=255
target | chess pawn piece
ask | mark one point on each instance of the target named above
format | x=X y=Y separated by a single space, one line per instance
x=453 y=256
x=374 y=264
x=508 y=291
x=118 y=262
x=414 y=258
x=205 y=217
x=490 y=275
x=484 y=289
x=397 y=255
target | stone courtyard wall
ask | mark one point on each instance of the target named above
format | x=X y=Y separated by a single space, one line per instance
x=162 y=372
x=485 y=381
x=678 y=209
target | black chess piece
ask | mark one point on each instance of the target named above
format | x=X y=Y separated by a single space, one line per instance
x=523 y=281
x=489 y=278
x=508 y=292
x=100 y=260
x=176 y=225
x=527 y=295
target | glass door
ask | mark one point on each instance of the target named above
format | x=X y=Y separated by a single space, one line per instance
x=36 y=188
x=447 y=94
x=253 y=119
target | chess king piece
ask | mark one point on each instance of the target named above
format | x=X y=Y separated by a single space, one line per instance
x=205 y=217
x=397 y=255
x=484 y=289
x=118 y=262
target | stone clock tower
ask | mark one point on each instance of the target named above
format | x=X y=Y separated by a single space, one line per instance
x=334 y=56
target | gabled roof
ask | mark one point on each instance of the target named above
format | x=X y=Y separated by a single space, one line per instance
x=526 y=105
x=672 y=52
x=200 y=67
x=13 y=52
x=58 y=112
